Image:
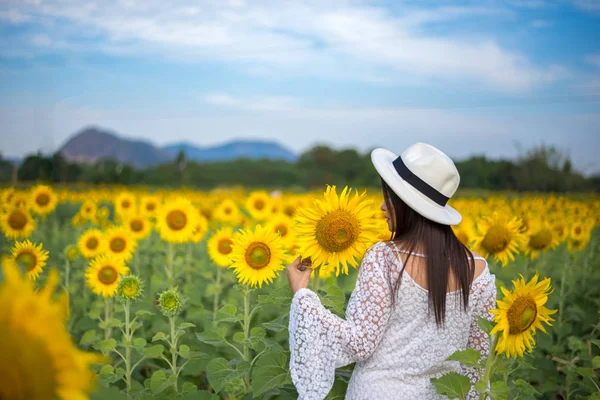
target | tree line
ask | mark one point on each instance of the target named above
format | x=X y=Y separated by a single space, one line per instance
x=544 y=169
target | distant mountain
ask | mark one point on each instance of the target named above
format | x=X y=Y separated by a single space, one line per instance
x=92 y=144
x=254 y=149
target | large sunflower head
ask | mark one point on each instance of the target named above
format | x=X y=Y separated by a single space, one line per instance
x=257 y=256
x=520 y=313
x=282 y=225
x=337 y=230
x=139 y=227
x=20 y=199
x=499 y=236
x=149 y=205
x=43 y=200
x=17 y=223
x=91 y=243
x=120 y=243
x=34 y=335
x=541 y=237
x=104 y=273
x=176 y=220
x=259 y=205
x=29 y=257
x=219 y=246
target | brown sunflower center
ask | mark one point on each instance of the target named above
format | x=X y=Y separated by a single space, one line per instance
x=337 y=231
x=26 y=260
x=92 y=243
x=541 y=240
x=496 y=239
x=117 y=244
x=42 y=199
x=108 y=275
x=289 y=210
x=258 y=255
x=224 y=246
x=176 y=220
x=259 y=204
x=136 y=225
x=126 y=204
x=282 y=229
x=521 y=314
x=577 y=230
x=17 y=220
x=150 y=206
x=228 y=210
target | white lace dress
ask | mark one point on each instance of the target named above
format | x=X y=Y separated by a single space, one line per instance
x=397 y=351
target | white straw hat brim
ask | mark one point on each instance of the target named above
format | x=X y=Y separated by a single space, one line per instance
x=382 y=160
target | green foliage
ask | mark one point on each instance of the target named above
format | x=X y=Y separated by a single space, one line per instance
x=452 y=385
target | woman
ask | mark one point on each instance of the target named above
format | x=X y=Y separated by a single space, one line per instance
x=417 y=297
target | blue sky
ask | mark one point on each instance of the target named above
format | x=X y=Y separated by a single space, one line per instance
x=480 y=77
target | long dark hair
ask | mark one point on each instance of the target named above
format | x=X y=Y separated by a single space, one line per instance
x=444 y=252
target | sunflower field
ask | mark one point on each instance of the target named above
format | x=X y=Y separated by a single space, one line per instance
x=132 y=293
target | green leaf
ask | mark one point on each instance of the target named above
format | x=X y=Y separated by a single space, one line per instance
x=452 y=385
x=185 y=325
x=485 y=325
x=335 y=298
x=107 y=370
x=135 y=326
x=278 y=324
x=159 y=336
x=115 y=323
x=468 y=357
x=144 y=313
x=499 y=391
x=106 y=345
x=213 y=337
x=239 y=337
x=270 y=371
x=184 y=351
x=89 y=337
x=139 y=343
x=281 y=296
x=596 y=362
x=596 y=342
x=119 y=373
x=525 y=388
x=157 y=380
x=585 y=372
x=218 y=370
x=154 y=351
x=188 y=387
x=227 y=314
x=94 y=313
x=201 y=395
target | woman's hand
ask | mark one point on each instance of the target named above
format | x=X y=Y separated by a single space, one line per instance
x=298 y=279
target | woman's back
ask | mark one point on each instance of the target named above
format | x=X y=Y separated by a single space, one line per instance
x=397 y=346
x=413 y=349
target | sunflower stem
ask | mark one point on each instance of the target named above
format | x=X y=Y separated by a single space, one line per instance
x=127 y=343
x=107 y=317
x=169 y=270
x=561 y=301
x=246 y=334
x=173 y=350
x=489 y=364
x=316 y=280
x=217 y=293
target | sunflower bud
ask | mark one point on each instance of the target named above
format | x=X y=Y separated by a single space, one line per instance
x=170 y=302
x=71 y=252
x=130 y=288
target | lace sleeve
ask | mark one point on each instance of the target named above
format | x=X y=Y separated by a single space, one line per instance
x=484 y=292
x=321 y=341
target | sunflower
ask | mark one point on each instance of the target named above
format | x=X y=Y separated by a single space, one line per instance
x=39 y=339
x=120 y=243
x=88 y=210
x=541 y=238
x=103 y=213
x=282 y=225
x=17 y=223
x=29 y=257
x=465 y=232
x=19 y=199
x=219 y=246
x=561 y=231
x=43 y=200
x=499 y=236
x=257 y=256
x=578 y=243
x=125 y=204
x=337 y=231
x=176 y=220
x=91 y=243
x=227 y=212
x=201 y=229
x=149 y=206
x=259 y=205
x=520 y=313
x=139 y=227
x=104 y=273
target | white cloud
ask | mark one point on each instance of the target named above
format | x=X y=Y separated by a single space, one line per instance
x=339 y=39
x=272 y=103
x=594 y=60
x=588 y=5
x=13 y=16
